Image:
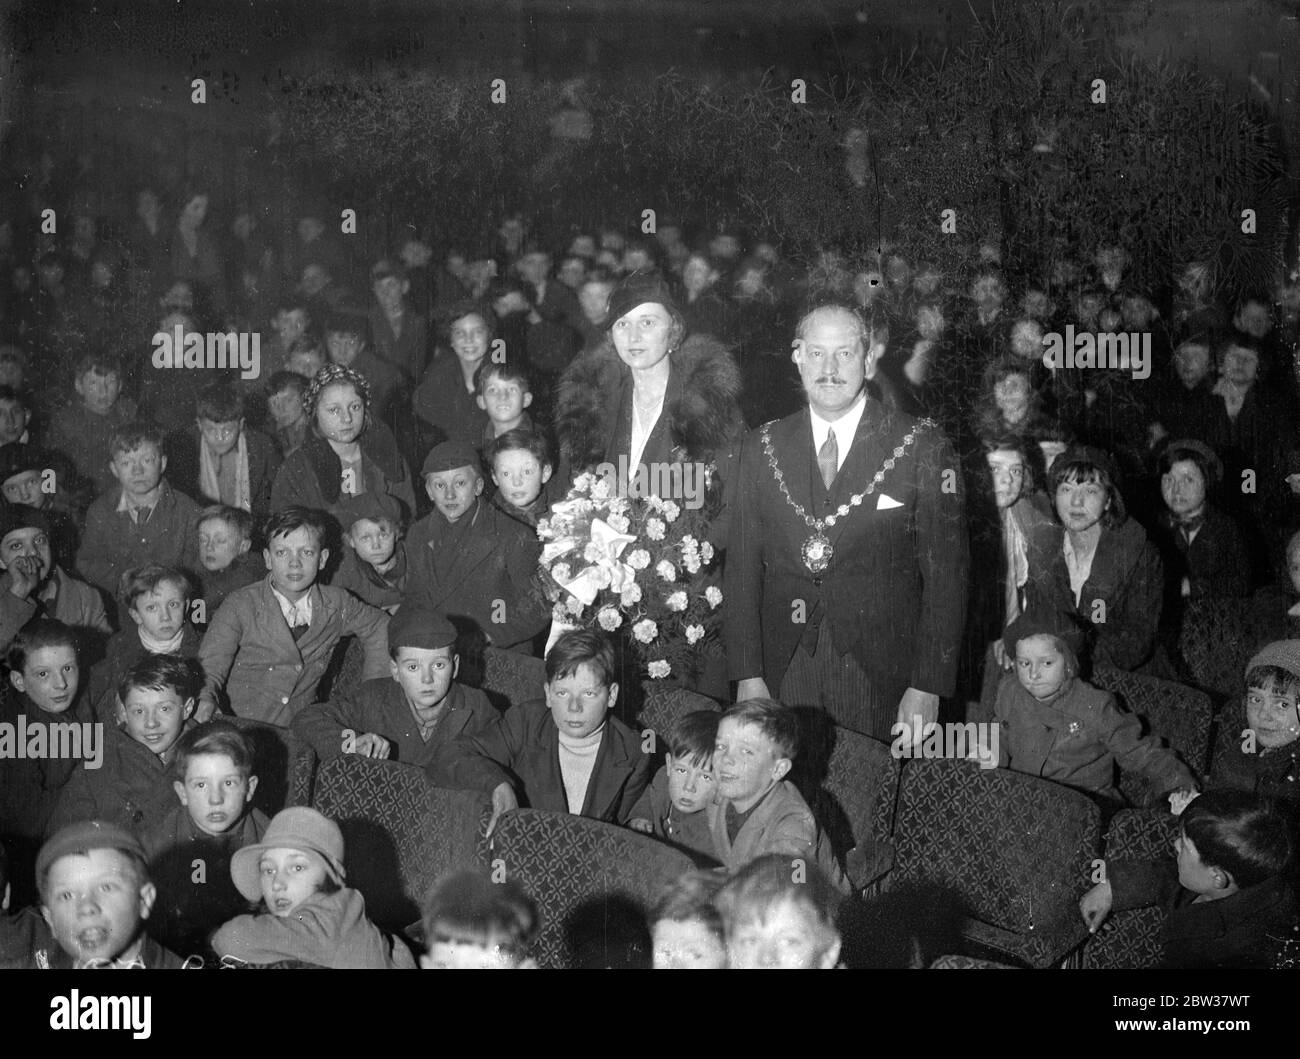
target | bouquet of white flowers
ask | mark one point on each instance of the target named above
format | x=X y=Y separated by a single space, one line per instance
x=637 y=564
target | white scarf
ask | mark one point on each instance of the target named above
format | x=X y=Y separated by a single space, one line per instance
x=160 y=647
x=211 y=485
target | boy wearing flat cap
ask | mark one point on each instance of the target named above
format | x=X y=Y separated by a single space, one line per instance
x=409 y=714
x=471 y=561
x=374 y=559
x=34 y=585
x=95 y=898
x=46 y=481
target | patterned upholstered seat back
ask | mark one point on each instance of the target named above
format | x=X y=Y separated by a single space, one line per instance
x=1007 y=853
x=663 y=706
x=856 y=799
x=1131 y=939
x=510 y=678
x=1179 y=715
x=400 y=833
x=592 y=882
x=967 y=963
x=1214 y=644
x=302 y=775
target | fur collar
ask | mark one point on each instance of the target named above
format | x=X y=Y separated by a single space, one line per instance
x=703 y=417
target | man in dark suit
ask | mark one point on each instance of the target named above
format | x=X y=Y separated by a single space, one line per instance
x=847 y=555
x=470 y=560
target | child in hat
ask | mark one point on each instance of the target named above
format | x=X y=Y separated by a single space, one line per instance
x=409 y=714
x=309 y=913
x=374 y=559
x=46 y=481
x=1058 y=726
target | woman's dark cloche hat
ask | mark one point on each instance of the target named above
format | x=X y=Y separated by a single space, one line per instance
x=637 y=289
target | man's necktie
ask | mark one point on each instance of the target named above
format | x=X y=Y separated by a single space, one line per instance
x=296 y=631
x=828 y=458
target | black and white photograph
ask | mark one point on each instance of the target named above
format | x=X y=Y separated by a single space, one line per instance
x=594 y=485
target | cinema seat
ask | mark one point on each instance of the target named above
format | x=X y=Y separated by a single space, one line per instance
x=664 y=705
x=855 y=803
x=1131 y=939
x=1214 y=645
x=1181 y=716
x=1003 y=854
x=510 y=678
x=400 y=832
x=592 y=882
x=967 y=963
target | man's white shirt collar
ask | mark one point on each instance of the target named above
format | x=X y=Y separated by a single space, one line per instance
x=846 y=427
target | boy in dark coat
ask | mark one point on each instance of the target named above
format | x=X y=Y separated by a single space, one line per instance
x=130 y=788
x=468 y=559
x=565 y=753
x=1227 y=896
x=374 y=555
x=409 y=715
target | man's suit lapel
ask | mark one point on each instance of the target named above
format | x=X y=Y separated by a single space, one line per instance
x=792 y=441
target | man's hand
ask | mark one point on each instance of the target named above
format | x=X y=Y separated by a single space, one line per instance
x=371 y=745
x=1000 y=655
x=1095 y=906
x=24 y=576
x=644 y=826
x=916 y=709
x=752 y=688
x=207 y=706
x=1181 y=799
x=503 y=800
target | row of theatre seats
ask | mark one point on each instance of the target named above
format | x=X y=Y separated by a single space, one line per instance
x=946 y=857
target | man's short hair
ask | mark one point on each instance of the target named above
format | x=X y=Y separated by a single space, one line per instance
x=581 y=647
x=142 y=580
x=133 y=436
x=286 y=380
x=467 y=907
x=1031 y=457
x=519 y=440
x=215 y=737
x=236 y=517
x=181 y=676
x=872 y=328
x=777 y=723
x=38 y=634
x=219 y=403
x=296 y=518
x=692 y=736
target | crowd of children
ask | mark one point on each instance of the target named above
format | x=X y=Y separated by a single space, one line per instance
x=180 y=547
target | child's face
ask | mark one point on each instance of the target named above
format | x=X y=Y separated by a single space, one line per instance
x=469 y=338
x=1040 y=666
x=519 y=476
x=691 y=785
x=579 y=702
x=746 y=763
x=389 y=292
x=214 y=792
x=1193 y=873
x=341 y=413
x=504 y=400
x=306 y=362
x=1192 y=363
x=220 y=544
x=290 y=325
x=285 y=408
x=25 y=488
x=294 y=559
x=373 y=541
x=139 y=471
x=50 y=678
x=425 y=674
x=687 y=945
x=28 y=542
x=95 y=903
x=788 y=937
x=155 y=717
x=454 y=492
x=13 y=421
x=1080 y=505
x=289 y=877
x=220 y=438
x=446 y=955
x=1271 y=715
x=1183 y=488
x=98 y=392
x=161 y=612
